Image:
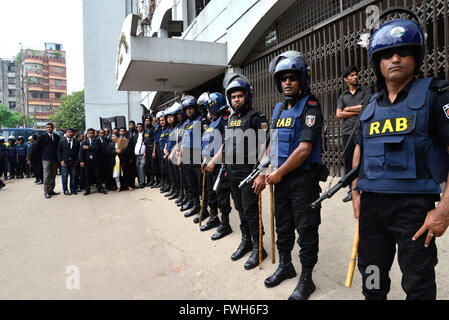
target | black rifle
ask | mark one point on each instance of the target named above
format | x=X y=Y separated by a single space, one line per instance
x=344 y=182
x=258 y=167
x=253 y=175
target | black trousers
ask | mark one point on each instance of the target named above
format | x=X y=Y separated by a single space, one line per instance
x=21 y=166
x=92 y=175
x=163 y=168
x=156 y=166
x=12 y=167
x=194 y=181
x=347 y=158
x=246 y=202
x=3 y=168
x=222 y=198
x=387 y=221
x=292 y=198
x=173 y=173
x=149 y=164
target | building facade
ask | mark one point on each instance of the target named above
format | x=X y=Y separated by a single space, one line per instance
x=187 y=46
x=44 y=82
x=102 y=21
x=10 y=85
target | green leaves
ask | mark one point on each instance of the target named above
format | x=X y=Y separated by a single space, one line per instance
x=71 y=112
x=10 y=119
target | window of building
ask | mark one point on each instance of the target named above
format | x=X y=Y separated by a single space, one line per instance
x=34 y=80
x=12 y=105
x=33 y=67
x=11 y=92
x=12 y=80
x=57 y=69
x=59 y=83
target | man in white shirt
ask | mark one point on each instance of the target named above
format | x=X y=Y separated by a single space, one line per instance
x=139 y=153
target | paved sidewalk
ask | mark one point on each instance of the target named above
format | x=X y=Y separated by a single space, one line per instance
x=138 y=245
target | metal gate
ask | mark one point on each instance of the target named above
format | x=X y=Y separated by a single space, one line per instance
x=327 y=32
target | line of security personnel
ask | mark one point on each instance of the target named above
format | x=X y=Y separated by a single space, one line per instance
x=295 y=149
x=14 y=157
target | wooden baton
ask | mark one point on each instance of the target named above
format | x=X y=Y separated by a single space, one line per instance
x=273 y=250
x=352 y=261
x=260 y=231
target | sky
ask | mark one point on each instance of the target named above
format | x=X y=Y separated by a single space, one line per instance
x=34 y=22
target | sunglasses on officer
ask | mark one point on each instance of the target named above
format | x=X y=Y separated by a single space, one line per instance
x=402 y=52
x=292 y=78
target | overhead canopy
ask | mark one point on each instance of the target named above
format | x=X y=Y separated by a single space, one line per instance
x=165 y=64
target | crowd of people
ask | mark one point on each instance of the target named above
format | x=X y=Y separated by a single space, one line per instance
x=393 y=138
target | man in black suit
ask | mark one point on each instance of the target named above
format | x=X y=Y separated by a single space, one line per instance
x=89 y=157
x=131 y=134
x=105 y=170
x=68 y=150
x=46 y=147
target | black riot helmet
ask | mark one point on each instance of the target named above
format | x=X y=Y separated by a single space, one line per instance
x=237 y=82
x=294 y=62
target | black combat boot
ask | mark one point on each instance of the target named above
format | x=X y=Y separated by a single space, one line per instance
x=285 y=270
x=195 y=208
x=244 y=247
x=166 y=188
x=224 y=229
x=188 y=205
x=170 y=192
x=175 y=193
x=204 y=217
x=151 y=182
x=181 y=196
x=253 y=260
x=157 y=184
x=305 y=286
x=213 y=221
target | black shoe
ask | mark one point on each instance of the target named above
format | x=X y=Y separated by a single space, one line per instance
x=36 y=182
x=54 y=193
x=222 y=231
x=211 y=223
x=47 y=196
x=87 y=192
x=244 y=247
x=196 y=208
x=204 y=216
x=348 y=197
x=74 y=192
x=150 y=184
x=170 y=192
x=305 y=286
x=185 y=200
x=285 y=271
x=165 y=189
x=67 y=193
x=188 y=205
x=157 y=184
x=253 y=260
x=102 y=191
x=174 y=195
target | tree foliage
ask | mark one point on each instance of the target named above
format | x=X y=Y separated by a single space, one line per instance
x=71 y=112
x=10 y=119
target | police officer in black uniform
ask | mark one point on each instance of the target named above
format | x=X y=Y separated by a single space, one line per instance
x=212 y=140
x=148 y=140
x=3 y=166
x=155 y=163
x=191 y=154
x=295 y=152
x=402 y=153
x=244 y=122
x=165 y=185
x=182 y=119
